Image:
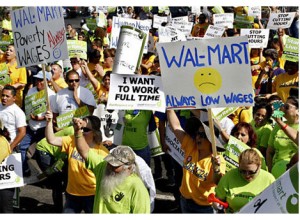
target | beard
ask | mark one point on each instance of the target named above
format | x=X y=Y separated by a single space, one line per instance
x=110 y=181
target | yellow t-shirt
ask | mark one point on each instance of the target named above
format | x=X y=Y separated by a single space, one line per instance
x=4 y=148
x=197 y=181
x=81 y=181
x=17 y=75
x=244 y=116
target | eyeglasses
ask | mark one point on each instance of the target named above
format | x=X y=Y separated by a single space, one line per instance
x=73 y=80
x=85 y=129
x=201 y=134
x=287 y=106
x=249 y=172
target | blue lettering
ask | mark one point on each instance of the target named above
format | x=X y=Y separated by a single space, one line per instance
x=18 y=20
x=226 y=55
x=114 y=42
x=216 y=49
x=177 y=63
x=238 y=98
x=209 y=100
x=39 y=10
x=189 y=58
x=48 y=14
x=172 y=101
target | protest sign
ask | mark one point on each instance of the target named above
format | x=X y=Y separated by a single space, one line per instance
x=91 y=23
x=118 y=22
x=130 y=91
x=193 y=38
x=152 y=45
x=39 y=35
x=183 y=25
x=154 y=143
x=35 y=104
x=243 y=21
x=207 y=73
x=175 y=147
x=291 y=49
x=109 y=119
x=257 y=38
x=11 y=174
x=254 y=11
x=280 y=20
x=282 y=196
x=223 y=20
x=65 y=120
x=170 y=34
x=158 y=20
x=220 y=113
x=131 y=41
x=77 y=48
x=213 y=31
x=4 y=76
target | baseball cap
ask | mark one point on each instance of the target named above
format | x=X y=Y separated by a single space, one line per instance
x=121 y=155
x=40 y=75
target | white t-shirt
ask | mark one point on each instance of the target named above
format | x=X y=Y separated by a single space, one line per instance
x=33 y=124
x=65 y=101
x=13 y=118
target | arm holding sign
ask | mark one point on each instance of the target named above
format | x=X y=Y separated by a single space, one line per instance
x=175 y=125
x=51 y=138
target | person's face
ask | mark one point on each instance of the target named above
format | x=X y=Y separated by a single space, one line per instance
x=260 y=116
x=117 y=169
x=109 y=22
x=290 y=110
x=10 y=53
x=248 y=171
x=80 y=37
x=129 y=10
x=7 y=98
x=69 y=28
x=291 y=67
x=106 y=82
x=75 y=63
x=40 y=85
x=242 y=135
x=201 y=138
x=109 y=61
x=56 y=71
x=73 y=81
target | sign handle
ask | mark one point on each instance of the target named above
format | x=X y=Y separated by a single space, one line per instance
x=46 y=87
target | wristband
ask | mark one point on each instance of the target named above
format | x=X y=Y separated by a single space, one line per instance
x=284 y=127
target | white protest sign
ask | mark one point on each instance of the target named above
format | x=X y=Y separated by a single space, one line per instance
x=207 y=73
x=213 y=31
x=128 y=91
x=257 y=38
x=179 y=20
x=254 y=11
x=175 y=147
x=118 y=22
x=158 y=20
x=223 y=20
x=282 y=196
x=131 y=41
x=109 y=119
x=183 y=25
x=39 y=35
x=193 y=38
x=170 y=34
x=280 y=20
x=11 y=174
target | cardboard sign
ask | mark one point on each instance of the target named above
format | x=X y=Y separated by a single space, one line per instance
x=254 y=11
x=11 y=174
x=158 y=20
x=4 y=76
x=77 y=48
x=282 y=196
x=280 y=20
x=136 y=92
x=206 y=73
x=175 y=147
x=39 y=35
x=223 y=20
x=118 y=22
x=213 y=32
x=35 y=104
x=257 y=38
x=170 y=34
x=131 y=41
x=291 y=49
x=65 y=120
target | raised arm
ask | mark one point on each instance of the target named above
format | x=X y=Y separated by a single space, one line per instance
x=80 y=142
x=49 y=133
x=175 y=125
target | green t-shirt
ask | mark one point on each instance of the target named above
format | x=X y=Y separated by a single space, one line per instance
x=263 y=134
x=237 y=192
x=136 y=129
x=131 y=196
x=283 y=146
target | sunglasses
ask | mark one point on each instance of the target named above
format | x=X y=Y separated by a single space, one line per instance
x=248 y=172
x=201 y=134
x=85 y=129
x=287 y=106
x=73 y=80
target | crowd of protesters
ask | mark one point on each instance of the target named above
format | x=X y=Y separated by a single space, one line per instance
x=99 y=176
